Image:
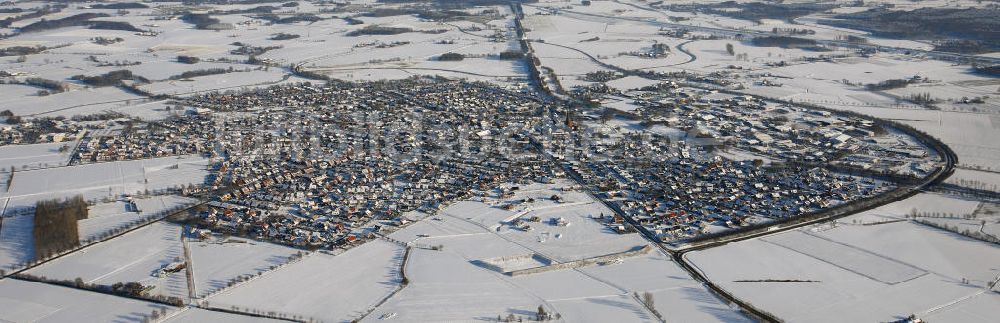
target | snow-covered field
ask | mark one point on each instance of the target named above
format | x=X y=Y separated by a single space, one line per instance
x=194 y=314
x=106 y=179
x=17 y=245
x=217 y=260
x=875 y=272
x=448 y=285
x=161 y=203
x=227 y=81
x=75 y=102
x=850 y=258
x=444 y=286
x=979 y=308
x=36 y=302
x=105 y=216
x=321 y=286
x=481 y=69
x=33 y=156
x=583 y=237
x=133 y=257
x=675 y=294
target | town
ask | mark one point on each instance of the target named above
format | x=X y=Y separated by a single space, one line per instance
x=328 y=165
x=499 y=161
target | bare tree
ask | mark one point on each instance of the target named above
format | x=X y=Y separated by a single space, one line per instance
x=647 y=298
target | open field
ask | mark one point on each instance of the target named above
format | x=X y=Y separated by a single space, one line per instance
x=22 y=157
x=105 y=179
x=444 y=286
x=216 y=260
x=356 y=279
x=35 y=302
x=448 y=284
x=16 y=241
x=103 y=217
x=193 y=314
x=858 y=261
x=228 y=81
x=133 y=257
x=794 y=279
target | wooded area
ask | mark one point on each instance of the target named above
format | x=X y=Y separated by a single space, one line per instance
x=55 y=226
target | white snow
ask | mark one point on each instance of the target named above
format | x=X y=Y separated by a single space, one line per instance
x=23 y=157
x=36 y=302
x=217 y=260
x=133 y=257
x=105 y=179
x=448 y=285
x=321 y=286
x=17 y=245
x=855 y=272
x=194 y=314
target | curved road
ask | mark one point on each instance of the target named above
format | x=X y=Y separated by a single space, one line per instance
x=904 y=191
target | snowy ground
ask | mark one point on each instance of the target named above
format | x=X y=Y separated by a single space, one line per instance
x=105 y=216
x=193 y=314
x=583 y=237
x=448 y=285
x=321 y=286
x=216 y=260
x=875 y=272
x=75 y=102
x=16 y=241
x=105 y=179
x=133 y=257
x=23 y=157
x=35 y=302
x=227 y=81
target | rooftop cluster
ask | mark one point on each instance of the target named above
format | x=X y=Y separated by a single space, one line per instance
x=324 y=166
x=685 y=162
